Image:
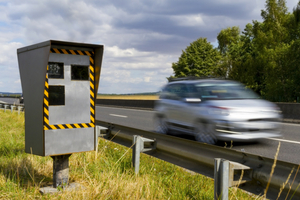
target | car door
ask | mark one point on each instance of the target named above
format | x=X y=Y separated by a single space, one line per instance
x=179 y=111
x=187 y=108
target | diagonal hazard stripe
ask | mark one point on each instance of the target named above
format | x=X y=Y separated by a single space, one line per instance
x=92 y=94
x=88 y=53
x=73 y=52
x=66 y=126
x=91 y=60
x=84 y=125
x=92 y=102
x=46 y=120
x=53 y=127
x=46 y=93
x=64 y=51
x=56 y=50
x=91 y=68
x=92 y=111
x=92 y=85
x=61 y=126
x=77 y=126
x=46 y=102
x=80 y=52
x=69 y=126
x=92 y=77
x=46 y=112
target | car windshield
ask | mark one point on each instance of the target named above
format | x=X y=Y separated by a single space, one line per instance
x=224 y=91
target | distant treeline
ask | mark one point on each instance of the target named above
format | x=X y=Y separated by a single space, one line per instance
x=9 y=94
x=265 y=56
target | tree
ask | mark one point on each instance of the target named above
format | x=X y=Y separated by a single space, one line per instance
x=229 y=46
x=228 y=37
x=199 y=59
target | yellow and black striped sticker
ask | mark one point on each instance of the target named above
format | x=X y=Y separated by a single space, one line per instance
x=47 y=126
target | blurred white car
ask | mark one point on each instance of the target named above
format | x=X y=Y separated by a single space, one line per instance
x=215 y=109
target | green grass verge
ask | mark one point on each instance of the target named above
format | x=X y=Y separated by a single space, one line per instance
x=107 y=174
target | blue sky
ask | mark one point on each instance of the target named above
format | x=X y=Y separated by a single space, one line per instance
x=142 y=38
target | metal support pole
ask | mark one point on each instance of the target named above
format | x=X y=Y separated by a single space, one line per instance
x=100 y=132
x=136 y=153
x=221 y=176
x=19 y=109
x=138 y=148
x=12 y=108
x=227 y=174
x=61 y=171
x=5 y=107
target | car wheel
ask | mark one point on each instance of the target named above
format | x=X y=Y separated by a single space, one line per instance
x=204 y=132
x=161 y=125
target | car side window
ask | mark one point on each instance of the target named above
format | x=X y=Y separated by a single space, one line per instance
x=193 y=92
x=174 y=92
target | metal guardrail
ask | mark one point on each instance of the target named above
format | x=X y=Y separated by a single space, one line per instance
x=200 y=158
x=12 y=107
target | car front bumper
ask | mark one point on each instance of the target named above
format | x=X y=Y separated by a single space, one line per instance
x=247 y=130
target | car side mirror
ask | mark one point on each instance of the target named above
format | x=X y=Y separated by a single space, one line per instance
x=192 y=100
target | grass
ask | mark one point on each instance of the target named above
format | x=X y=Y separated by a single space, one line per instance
x=131 y=97
x=107 y=175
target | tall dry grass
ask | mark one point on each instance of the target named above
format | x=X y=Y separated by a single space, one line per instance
x=109 y=175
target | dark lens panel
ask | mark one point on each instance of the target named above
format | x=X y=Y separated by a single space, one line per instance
x=56 y=95
x=79 y=72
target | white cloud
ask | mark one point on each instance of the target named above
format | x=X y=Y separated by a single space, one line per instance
x=116 y=52
x=142 y=38
x=189 y=20
x=147 y=79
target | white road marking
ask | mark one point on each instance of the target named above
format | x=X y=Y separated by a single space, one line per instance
x=118 y=115
x=290 y=124
x=122 y=108
x=282 y=140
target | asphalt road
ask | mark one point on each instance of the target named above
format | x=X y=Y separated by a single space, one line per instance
x=142 y=119
x=9 y=100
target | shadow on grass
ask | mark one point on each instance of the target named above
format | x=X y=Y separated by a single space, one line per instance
x=19 y=168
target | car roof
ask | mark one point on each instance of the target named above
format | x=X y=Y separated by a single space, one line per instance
x=212 y=80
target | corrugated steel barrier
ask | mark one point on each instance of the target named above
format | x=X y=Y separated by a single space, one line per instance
x=199 y=157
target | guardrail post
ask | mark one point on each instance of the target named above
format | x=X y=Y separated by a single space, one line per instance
x=100 y=132
x=139 y=147
x=228 y=174
x=221 y=175
x=12 y=108
x=19 y=109
x=5 y=107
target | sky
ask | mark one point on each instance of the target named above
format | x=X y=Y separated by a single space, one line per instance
x=141 y=38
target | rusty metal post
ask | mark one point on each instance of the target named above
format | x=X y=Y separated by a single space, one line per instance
x=61 y=170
